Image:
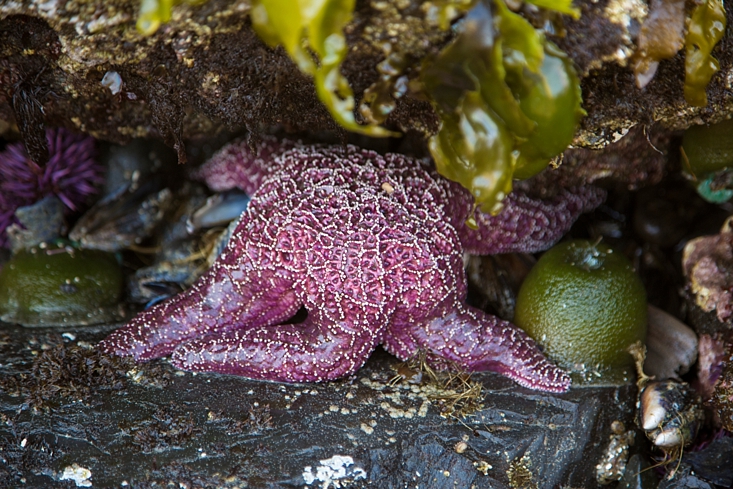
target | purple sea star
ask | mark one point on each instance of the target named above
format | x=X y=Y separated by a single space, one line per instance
x=372 y=247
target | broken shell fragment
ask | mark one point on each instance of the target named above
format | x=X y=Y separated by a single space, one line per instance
x=671 y=345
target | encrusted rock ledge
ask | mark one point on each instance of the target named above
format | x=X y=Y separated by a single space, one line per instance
x=206 y=70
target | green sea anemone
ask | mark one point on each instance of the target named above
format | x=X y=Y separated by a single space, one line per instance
x=708 y=158
x=585 y=305
x=60 y=285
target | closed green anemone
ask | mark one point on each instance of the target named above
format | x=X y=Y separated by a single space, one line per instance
x=708 y=157
x=60 y=285
x=585 y=305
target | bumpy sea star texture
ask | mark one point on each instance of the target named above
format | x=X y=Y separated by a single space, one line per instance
x=372 y=247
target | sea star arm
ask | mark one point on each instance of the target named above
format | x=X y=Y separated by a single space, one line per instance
x=318 y=349
x=231 y=294
x=242 y=164
x=526 y=224
x=475 y=341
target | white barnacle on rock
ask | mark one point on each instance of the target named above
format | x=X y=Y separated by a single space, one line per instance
x=113 y=81
x=80 y=475
x=337 y=471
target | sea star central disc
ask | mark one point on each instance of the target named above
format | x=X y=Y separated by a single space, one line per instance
x=372 y=247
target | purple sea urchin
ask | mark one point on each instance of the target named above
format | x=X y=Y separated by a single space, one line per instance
x=71 y=174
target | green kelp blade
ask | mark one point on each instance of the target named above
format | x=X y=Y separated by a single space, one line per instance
x=562 y=6
x=312 y=33
x=547 y=87
x=503 y=92
x=474 y=62
x=477 y=109
x=498 y=94
x=152 y=14
x=522 y=45
x=473 y=148
x=443 y=12
x=707 y=26
x=553 y=101
x=283 y=22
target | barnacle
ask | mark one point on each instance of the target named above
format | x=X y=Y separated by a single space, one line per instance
x=509 y=101
x=707 y=25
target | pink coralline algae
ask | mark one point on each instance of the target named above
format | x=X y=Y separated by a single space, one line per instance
x=372 y=247
x=707 y=263
x=72 y=174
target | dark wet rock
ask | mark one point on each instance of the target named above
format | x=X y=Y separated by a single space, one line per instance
x=166 y=428
x=494 y=281
x=714 y=462
x=137 y=160
x=685 y=478
x=638 y=475
x=149 y=424
x=64 y=371
x=705 y=323
x=637 y=158
x=722 y=398
x=39 y=222
x=713 y=356
x=664 y=214
x=429 y=463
